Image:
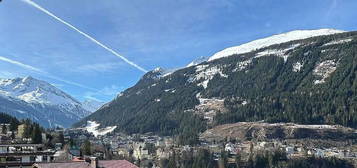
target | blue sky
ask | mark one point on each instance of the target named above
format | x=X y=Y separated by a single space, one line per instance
x=155 y=33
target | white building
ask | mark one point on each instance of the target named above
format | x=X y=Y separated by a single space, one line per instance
x=21 y=155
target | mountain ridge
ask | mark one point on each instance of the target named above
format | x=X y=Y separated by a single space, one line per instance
x=272 y=40
x=301 y=81
x=40 y=101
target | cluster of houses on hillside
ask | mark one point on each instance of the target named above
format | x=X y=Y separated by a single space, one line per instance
x=145 y=150
x=138 y=147
x=152 y=148
x=18 y=151
x=292 y=150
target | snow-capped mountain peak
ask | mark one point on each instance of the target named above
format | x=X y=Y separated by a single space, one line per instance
x=197 y=61
x=275 y=39
x=158 y=73
x=32 y=90
x=40 y=101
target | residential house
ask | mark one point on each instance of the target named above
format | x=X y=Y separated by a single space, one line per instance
x=20 y=131
x=162 y=153
x=91 y=163
x=140 y=151
x=20 y=155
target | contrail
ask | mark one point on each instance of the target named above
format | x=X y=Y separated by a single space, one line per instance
x=70 y=82
x=19 y=64
x=84 y=34
x=29 y=67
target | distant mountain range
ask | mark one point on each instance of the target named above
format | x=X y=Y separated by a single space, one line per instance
x=42 y=102
x=92 y=105
x=303 y=76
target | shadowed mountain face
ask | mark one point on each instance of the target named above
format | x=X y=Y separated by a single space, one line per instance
x=307 y=81
x=39 y=101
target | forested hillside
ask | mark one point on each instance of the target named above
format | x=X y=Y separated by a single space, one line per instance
x=310 y=81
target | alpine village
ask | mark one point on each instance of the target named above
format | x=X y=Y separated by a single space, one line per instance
x=287 y=100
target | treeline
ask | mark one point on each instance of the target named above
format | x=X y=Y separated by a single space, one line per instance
x=31 y=129
x=278 y=159
x=273 y=159
x=203 y=159
x=7 y=119
x=275 y=93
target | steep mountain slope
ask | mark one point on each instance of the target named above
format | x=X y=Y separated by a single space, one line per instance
x=92 y=105
x=308 y=81
x=40 y=101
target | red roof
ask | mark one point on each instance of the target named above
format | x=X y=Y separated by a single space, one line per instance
x=77 y=159
x=116 y=164
x=63 y=165
x=102 y=163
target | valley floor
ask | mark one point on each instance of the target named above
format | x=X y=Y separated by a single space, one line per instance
x=236 y=144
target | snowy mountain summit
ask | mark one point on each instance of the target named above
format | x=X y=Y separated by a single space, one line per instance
x=272 y=40
x=198 y=61
x=32 y=90
x=39 y=101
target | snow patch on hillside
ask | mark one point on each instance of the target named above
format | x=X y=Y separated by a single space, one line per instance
x=328 y=50
x=277 y=52
x=242 y=65
x=314 y=126
x=163 y=72
x=92 y=127
x=205 y=73
x=275 y=39
x=209 y=107
x=197 y=61
x=297 y=66
x=170 y=90
x=338 y=42
x=323 y=70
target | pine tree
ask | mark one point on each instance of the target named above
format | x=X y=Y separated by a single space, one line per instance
x=3 y=129
x=36 y=135
x=61 y=137
x=86 y=148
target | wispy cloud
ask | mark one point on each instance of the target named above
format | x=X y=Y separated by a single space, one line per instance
x=44 y=73
x=111 y=91
x=84 y=34
x=69 y=82
x=100 y=67
x=29 y=67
